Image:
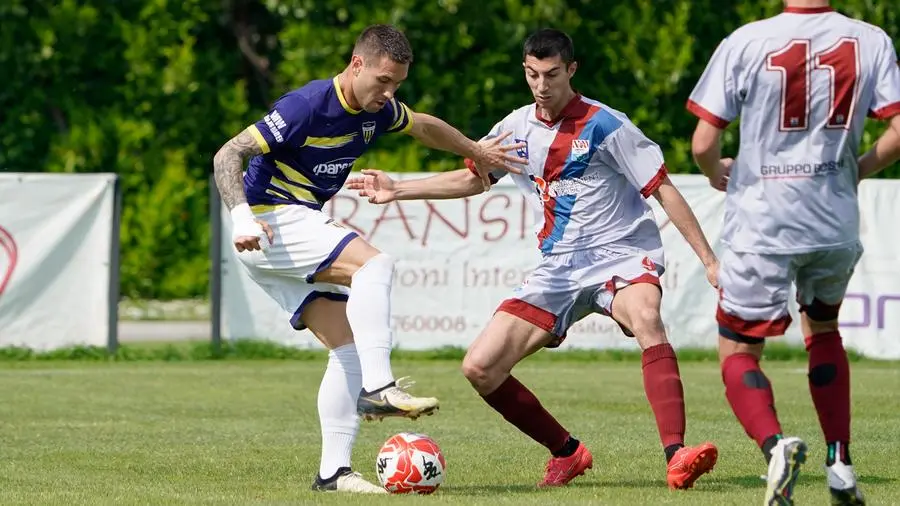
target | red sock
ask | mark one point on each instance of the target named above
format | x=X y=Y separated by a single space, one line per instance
x=662 y=384
x=521 y=408
x=750 y=395
x=829 y=384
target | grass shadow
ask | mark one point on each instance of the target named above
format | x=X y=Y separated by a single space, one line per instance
x=486 y=489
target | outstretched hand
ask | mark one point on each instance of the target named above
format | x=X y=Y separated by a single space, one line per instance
x=374 y=185
x=493 y=156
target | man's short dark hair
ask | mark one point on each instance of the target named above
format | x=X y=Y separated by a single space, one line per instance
x=547 y=43
x=384 y=40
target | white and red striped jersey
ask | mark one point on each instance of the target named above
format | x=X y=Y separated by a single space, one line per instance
x=802 y=83
x=587 y=175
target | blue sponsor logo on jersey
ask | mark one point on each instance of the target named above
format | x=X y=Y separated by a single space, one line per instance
x=523 y=151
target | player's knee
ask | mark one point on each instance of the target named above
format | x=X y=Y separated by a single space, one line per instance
x=336 y=339
x=381 y=262
x=476 y=372
x=473 y=371
x=646 y=324
x=379 y=269
x=820 y=313
x=648 y=318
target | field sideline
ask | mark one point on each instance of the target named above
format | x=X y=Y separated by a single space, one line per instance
x=246 y=432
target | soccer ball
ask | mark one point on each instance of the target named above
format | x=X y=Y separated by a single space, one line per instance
x=410 y=463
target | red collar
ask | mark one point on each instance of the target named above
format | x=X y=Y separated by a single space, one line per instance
x=808 y=10
x=574 y=109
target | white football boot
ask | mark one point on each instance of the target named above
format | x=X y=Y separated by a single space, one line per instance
x=394 y=400
x=346 y=480
x=784 y=468
x=842 y=484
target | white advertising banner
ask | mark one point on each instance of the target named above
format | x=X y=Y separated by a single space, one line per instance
x=55 y=233
x=456 y=260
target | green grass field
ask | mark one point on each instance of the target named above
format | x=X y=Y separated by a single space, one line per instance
x=246 y=432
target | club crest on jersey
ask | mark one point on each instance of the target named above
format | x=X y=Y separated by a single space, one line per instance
x=368 y=129
x=580 y=148
x=542 y=188
x=648 y=264
x=523 y=151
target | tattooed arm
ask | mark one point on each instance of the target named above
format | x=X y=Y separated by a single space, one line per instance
x=228 y=166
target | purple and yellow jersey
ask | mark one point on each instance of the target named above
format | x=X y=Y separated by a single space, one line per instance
x=310 y=140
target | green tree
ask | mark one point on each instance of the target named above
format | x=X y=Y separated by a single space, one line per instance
x=150 y=89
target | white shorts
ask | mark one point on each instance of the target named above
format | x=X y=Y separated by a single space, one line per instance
x=754 y=288
x=566 y=287
x=306 y=242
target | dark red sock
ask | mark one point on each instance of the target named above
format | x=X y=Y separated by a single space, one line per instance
x=662 y=383
x=750 y=395
x=829 y=384
x=521 y=408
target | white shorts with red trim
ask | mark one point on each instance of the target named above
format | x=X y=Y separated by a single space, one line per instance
x=754 y=288
x=307 y=242
x=566 y=287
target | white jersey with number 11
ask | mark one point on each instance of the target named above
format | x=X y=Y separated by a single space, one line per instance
x=802 y=83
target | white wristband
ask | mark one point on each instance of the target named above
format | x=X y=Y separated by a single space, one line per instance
x=243 y=224
x=242 y=213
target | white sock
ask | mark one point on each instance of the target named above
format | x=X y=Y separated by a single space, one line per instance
x=337 y=409
x=369 y=314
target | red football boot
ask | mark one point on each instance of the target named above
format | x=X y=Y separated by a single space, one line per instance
x=690 y=463
x=562 y=470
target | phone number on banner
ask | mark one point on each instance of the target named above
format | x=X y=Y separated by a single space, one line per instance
x=432 y=323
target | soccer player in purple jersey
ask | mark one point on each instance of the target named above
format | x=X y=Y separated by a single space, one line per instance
x=589 y=170
x=300 y=154
x=802 y=82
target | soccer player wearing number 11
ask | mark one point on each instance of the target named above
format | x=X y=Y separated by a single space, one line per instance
x=802 y=82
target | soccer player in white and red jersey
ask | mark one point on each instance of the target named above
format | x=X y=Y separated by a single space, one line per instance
x=802 y=82
x=589 y=170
